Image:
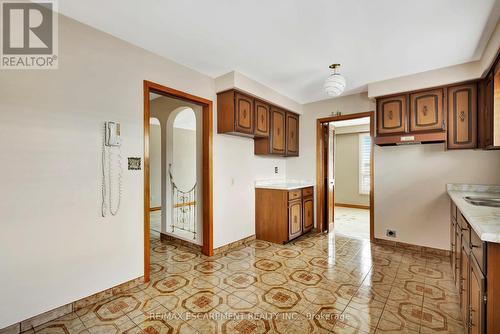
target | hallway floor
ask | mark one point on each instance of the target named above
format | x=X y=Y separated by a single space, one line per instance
x=352 y=222
x=320 y=283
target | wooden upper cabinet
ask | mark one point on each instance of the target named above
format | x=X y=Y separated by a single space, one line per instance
x=278 y=143
x=235 y=113
x=462 y=116
x=426 y=111
x=292 y=134
x=261 y=119
x=244 y=114
x=391 y=115
x=485 y=112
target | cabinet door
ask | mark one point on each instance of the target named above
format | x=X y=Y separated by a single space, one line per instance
x=458 y=257
x=477 y=304
x=426 y=111
x=464 y=286
x=391 y=115
x=261 y=119
x=462 y=116
x=294 y=219
x=243 y=113
x=292 y=134
x=308 y=214
x=452 y=247
x=278 y=131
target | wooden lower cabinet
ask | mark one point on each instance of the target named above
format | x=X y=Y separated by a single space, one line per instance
x=294 y=219
x=477 y=279
x=308 y=205
x=476 y=298
x=283 y=215
x=464 y=285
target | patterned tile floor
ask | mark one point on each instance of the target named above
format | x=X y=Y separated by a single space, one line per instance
x=352 y=222
x=317 y=284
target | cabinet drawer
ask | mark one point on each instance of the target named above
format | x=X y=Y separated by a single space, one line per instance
x=307 y=191
x=478 y=249
x=294 y=194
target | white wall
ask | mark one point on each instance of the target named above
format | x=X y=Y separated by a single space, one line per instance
x=166 y=110
x=347 y=170
x=184 y=158
x=410 y=184
x=410 y=194
x=54 y=246
x=155 y=165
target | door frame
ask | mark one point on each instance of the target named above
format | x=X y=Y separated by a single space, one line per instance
x=207 y=182
x=320 y=189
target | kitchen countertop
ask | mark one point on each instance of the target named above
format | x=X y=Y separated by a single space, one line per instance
x=484 y=220
x=283 y=184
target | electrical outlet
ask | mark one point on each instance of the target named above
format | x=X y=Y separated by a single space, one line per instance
x=390 y=233
x=276 y=170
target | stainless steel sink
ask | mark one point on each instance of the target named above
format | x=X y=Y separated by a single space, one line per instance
x=483 y=201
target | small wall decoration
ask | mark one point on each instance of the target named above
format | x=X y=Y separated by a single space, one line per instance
x=134 y=163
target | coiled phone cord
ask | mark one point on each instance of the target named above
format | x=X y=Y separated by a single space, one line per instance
x=120 y=171
x=103 y=184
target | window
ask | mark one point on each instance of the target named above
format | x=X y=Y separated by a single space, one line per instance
x=365 y=147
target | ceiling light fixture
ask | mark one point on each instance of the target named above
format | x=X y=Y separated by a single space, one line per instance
x=335 y=83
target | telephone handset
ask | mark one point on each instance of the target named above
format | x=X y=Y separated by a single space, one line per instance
x=112 y=134
x=111 y=167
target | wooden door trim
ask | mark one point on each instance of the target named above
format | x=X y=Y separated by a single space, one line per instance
x=320 y=189
x=207 y=182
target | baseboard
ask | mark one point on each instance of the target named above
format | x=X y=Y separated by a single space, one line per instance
x=354 y=206
x=417 y=248
x=178 y=241
x=156 y=208
x=233 y=245
x=31 y=323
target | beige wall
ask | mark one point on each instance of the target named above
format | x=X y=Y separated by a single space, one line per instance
x=347 y=170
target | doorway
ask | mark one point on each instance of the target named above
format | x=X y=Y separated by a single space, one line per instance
x=344 y=168
x=194 y=185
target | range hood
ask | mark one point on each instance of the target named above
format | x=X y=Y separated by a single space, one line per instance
x=411 y=139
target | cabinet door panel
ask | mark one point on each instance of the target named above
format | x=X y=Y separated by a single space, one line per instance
x=292 y=134
x=295 y=218
x=464 y=286
x=462 y=115
x=244 y=113
x=391 y=115
x=278 y=131
x=261 y=119
x=308 y=214
x=476 y=316
x=426 y=111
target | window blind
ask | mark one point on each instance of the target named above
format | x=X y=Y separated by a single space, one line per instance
x=364 y=163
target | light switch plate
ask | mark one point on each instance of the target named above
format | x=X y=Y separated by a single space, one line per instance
x=134 y=163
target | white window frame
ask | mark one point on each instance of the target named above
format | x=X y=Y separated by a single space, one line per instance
x=364 y=189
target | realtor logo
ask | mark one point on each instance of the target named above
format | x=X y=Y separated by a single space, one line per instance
x=29 y=35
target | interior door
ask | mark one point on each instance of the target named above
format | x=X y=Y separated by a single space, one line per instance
x=328 y=176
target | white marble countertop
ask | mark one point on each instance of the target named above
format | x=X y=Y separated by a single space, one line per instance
x=484 y=220
x=283 y=184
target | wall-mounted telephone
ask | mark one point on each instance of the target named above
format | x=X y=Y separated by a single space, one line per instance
x=112 y=134
x=111 y=168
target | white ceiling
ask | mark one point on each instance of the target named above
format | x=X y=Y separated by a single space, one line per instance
x=288 y=45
